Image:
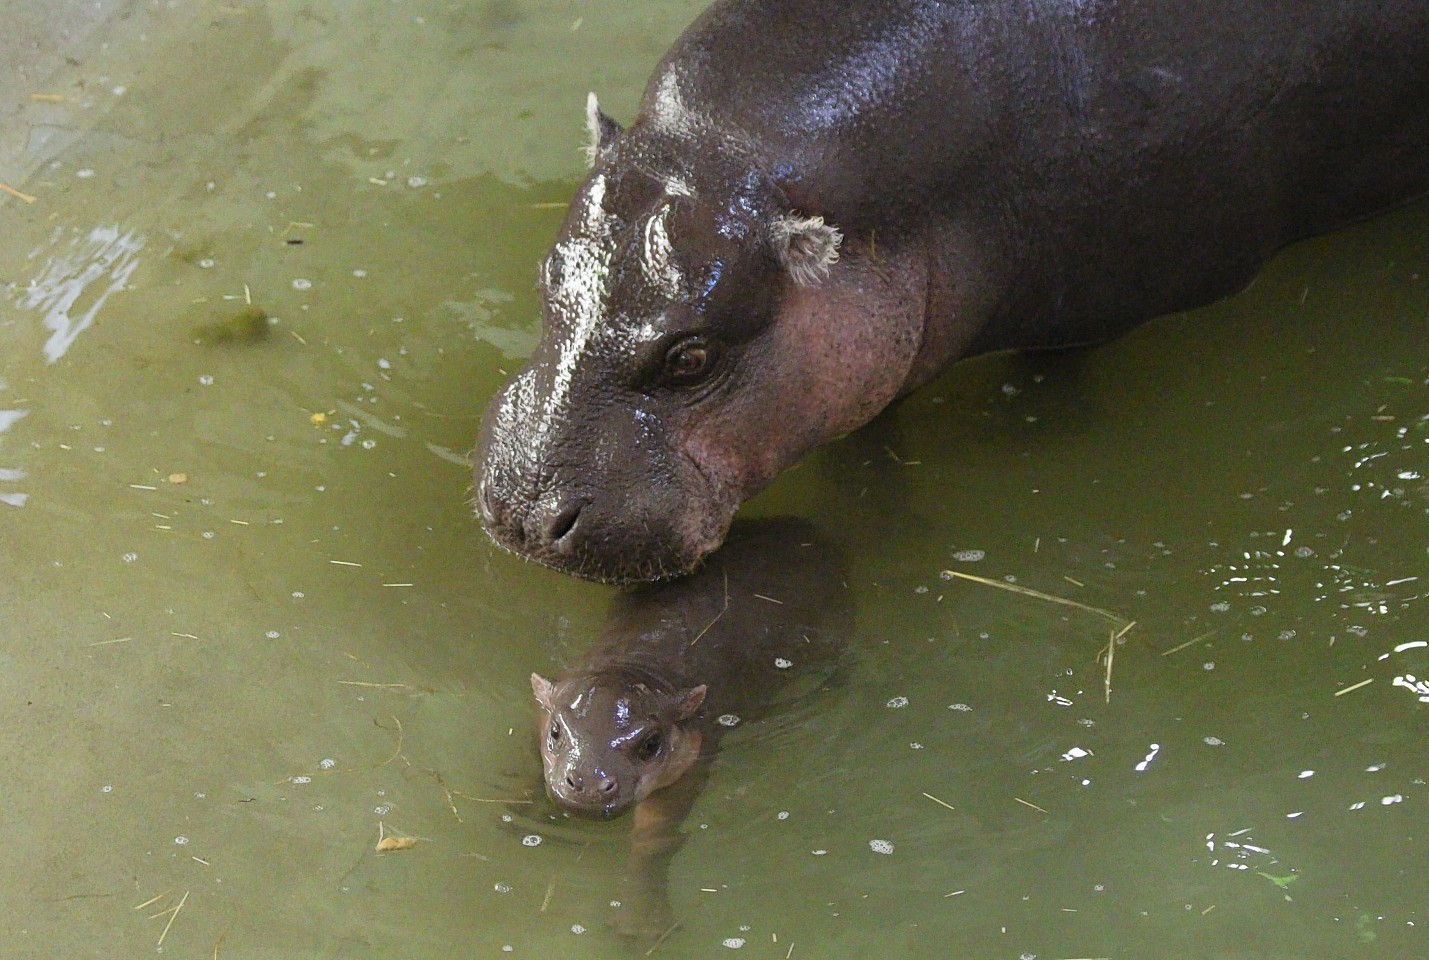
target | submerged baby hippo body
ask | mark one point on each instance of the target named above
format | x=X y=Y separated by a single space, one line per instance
x=678 y=664
x=635 y=724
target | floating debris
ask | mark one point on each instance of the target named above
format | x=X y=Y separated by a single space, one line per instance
x=389 y=844
x=247 y=326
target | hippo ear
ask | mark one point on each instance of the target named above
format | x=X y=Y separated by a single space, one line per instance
x=602 y=129
x=545 y=691
x=688 y=701
x=806 y=246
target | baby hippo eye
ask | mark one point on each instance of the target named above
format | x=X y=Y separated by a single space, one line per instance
x=555 y=732
x=688 y=361
x=649 y=748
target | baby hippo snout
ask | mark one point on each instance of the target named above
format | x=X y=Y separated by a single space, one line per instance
x=601 y=785
x=591 y=792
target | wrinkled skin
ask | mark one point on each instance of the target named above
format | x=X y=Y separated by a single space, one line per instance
x=813 y=212
x=634 y=726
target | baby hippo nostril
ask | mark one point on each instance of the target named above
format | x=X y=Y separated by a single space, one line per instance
x=607 y=785
x=573 y=781
x=564 y=521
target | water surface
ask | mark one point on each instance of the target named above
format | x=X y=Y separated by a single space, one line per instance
x=247 y=620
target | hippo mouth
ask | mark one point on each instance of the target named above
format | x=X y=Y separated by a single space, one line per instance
x=654 y=531
x=644 y=559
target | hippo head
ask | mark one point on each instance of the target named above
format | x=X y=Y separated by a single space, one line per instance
x=661 y=394
x=608 y=741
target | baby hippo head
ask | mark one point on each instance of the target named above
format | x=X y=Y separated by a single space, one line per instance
x=608 y=740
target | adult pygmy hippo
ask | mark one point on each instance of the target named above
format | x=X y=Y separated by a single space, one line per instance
x=819 y=205
x=636 y=724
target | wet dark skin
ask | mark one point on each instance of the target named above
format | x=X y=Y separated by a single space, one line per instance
x=817 y=207
x=635 y=725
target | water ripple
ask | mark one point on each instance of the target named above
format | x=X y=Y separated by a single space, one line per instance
x=106 y=256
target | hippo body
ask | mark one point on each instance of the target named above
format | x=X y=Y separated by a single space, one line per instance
x=817 y=208
x=636 y=723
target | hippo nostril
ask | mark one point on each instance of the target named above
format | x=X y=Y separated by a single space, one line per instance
x=484 y=505
x=572 y=782
x=564 y=521
x=607 y=785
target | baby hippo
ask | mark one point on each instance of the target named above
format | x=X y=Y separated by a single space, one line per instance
x=679 y=664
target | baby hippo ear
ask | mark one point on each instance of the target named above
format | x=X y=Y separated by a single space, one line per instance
x=688 y=701
x=806 y=246
x=544 y=690
x=602 y=129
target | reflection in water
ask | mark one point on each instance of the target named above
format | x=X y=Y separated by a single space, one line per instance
x=636 y=724
x=8 y=418
x=105 y=257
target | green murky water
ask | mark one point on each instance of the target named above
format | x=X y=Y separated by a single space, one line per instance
x=246 y=619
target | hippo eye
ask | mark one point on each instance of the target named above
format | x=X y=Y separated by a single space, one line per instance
x=688 y=361
x=555 y=733
x=649 y=748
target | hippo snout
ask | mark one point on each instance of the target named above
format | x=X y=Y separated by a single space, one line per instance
x=620 y=519
x=550 y=526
